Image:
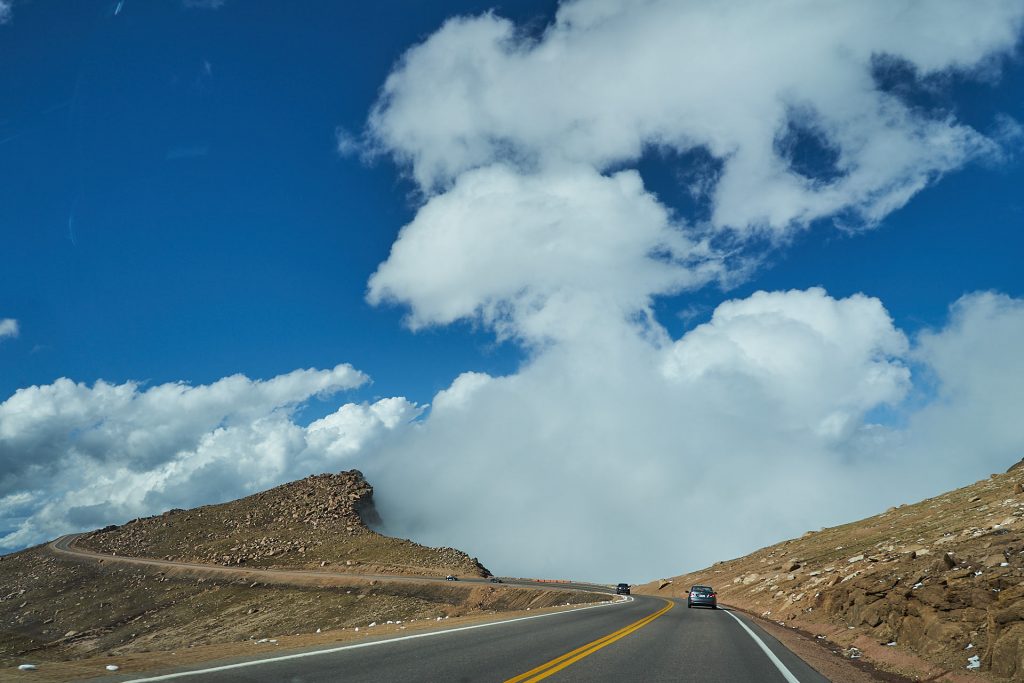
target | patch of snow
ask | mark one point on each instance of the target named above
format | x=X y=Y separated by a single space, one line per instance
x=112 y=667
x=974 y=662
x=27 y=667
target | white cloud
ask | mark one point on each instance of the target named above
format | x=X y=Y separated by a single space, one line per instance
x=971 y=427
x=543 y=256
x=823 y=363
x=531 y=225
x=608 y=80
x=75 y=456
x=603 y=460
x=5 y=11
x=9 y=328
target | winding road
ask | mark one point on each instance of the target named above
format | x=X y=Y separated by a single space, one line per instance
x=642 y=638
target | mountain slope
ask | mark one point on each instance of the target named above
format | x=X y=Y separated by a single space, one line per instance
x=941 y=580
x=316 y=522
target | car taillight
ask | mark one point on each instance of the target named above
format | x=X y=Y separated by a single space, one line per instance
x=714 y=595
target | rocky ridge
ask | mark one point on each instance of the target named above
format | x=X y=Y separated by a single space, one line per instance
x=941 y=580
x=316 y=522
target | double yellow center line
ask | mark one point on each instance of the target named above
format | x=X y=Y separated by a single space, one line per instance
x=569 y=658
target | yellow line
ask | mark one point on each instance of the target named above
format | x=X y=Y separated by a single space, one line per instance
x=569 y=658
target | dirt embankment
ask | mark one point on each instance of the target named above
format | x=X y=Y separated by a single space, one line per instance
x=56 y=609
x=931 y=589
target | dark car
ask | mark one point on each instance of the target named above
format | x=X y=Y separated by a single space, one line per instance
x=495 y=579
x=702 y=595
x=451 y=578
x=622 y=589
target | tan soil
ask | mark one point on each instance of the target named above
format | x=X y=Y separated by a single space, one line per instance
x=915 y=591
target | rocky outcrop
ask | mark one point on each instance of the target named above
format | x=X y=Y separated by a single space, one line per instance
x=316 y=522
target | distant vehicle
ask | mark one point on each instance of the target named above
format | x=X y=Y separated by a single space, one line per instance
x=622 y=589
x=702 y=595
x=495 y=579
x=451 y=578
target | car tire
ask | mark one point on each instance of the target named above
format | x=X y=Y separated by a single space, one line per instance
x=688 y=605
x=714 y=606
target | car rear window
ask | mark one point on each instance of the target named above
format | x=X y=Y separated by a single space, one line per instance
x=702 y=589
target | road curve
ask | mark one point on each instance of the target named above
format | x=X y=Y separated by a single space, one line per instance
x=643 y=639
x=646 y=639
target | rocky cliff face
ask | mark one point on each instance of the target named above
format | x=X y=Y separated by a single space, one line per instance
x=316 y=522
x=942 y=580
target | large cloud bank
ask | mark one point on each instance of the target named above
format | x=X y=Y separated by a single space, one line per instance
x=615 y=446
x=622 y=458
x=616 y=452
x=597 y=461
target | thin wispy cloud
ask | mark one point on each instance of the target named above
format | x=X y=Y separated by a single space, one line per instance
x=204 y=4
x=8 y=328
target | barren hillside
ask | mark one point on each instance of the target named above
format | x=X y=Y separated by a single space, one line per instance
x=316 y=522
x=940 y=582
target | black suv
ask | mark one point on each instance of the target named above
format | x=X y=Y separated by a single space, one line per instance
x=622 y=589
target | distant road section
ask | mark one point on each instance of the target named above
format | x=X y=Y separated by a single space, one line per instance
x=65 y=546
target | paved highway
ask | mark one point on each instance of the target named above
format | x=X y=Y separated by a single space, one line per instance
x=647 y=639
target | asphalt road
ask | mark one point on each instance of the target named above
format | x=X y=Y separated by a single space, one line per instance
x=647 y=639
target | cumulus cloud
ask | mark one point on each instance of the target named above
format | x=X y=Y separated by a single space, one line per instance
x=74 y=456
x=974 y=368
x=9 y=328
x=743 y=80
x=604 y=460
x=5 y=11
x=541 y=256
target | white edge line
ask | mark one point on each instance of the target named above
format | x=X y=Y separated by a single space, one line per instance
x=313 y=653
x=786 y=673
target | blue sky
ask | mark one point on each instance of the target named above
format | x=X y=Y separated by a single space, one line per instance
x=176 y=209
